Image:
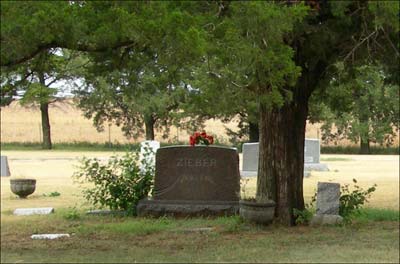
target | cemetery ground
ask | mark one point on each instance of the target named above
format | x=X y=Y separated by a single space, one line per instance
x=372 y=237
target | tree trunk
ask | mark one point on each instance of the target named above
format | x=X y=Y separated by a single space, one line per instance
x=253 y=132
x=364 y=147
x=44 y=110
x=281 y=158
x=149 y=126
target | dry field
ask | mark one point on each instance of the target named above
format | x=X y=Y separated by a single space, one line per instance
x=22 y=124
x=53 y=172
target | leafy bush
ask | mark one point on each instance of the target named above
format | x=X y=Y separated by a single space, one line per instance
x=351 y=202
x=303 y=217
x=72 y=214
x=118 y=184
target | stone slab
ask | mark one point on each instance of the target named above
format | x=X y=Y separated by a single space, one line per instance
x=328 y=195
x=158 y=208
x=4 y=168
x=246 y=174
x=326 y=220
x=34 y=211
x=315 y=167
x=49 y=236
x=106 y=212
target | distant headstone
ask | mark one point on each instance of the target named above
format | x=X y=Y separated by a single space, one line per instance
x=34 y=211
x=149 y=145
x=328 y=195
x=49 y=236
x=4 y=170
x=312 y=152
x=250 y=159
x=311 y=158
x=201 y=180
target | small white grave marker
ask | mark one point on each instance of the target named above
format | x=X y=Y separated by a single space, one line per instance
x=33 y=211
x=49 y=236
x=152 y=145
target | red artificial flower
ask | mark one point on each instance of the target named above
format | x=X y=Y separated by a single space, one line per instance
x=202 y=137
x=192 y=141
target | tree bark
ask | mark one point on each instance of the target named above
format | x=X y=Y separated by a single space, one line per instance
x=253 y=132
x=44 y=110
x=149 y=127
x=281 y=158
x=364 y=147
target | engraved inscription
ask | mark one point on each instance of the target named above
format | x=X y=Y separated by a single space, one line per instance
x=182 y=162
x=196 y=178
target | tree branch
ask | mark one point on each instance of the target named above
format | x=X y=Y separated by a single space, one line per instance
x=81 y=47
x=390 y=42
x=351 y=53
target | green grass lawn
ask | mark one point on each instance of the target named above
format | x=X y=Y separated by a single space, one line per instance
x=128 y=239
x=372 y=237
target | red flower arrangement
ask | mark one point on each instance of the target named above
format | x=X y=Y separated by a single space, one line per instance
x=201 y=139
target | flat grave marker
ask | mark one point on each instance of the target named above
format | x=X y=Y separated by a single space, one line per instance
x=34 y=211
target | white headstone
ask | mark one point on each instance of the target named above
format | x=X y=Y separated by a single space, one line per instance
x=4 y=168
x=153 y=146
x=49 y=236
x=311 y=158
x=33 y=211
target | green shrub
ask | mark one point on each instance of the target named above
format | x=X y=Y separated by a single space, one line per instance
x=72 y=214
x=303 y=217
x=351 y=202
x=118 y=184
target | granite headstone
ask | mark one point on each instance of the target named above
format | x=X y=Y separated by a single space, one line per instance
x=200 y=180
x=328 y=195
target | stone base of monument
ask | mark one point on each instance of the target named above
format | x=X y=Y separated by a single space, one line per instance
x=315 y=167
x=248 y=174
x=326 y=219
x=158 y=208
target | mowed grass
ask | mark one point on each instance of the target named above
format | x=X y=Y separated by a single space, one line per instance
x=373 y=236
x=126 y=239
